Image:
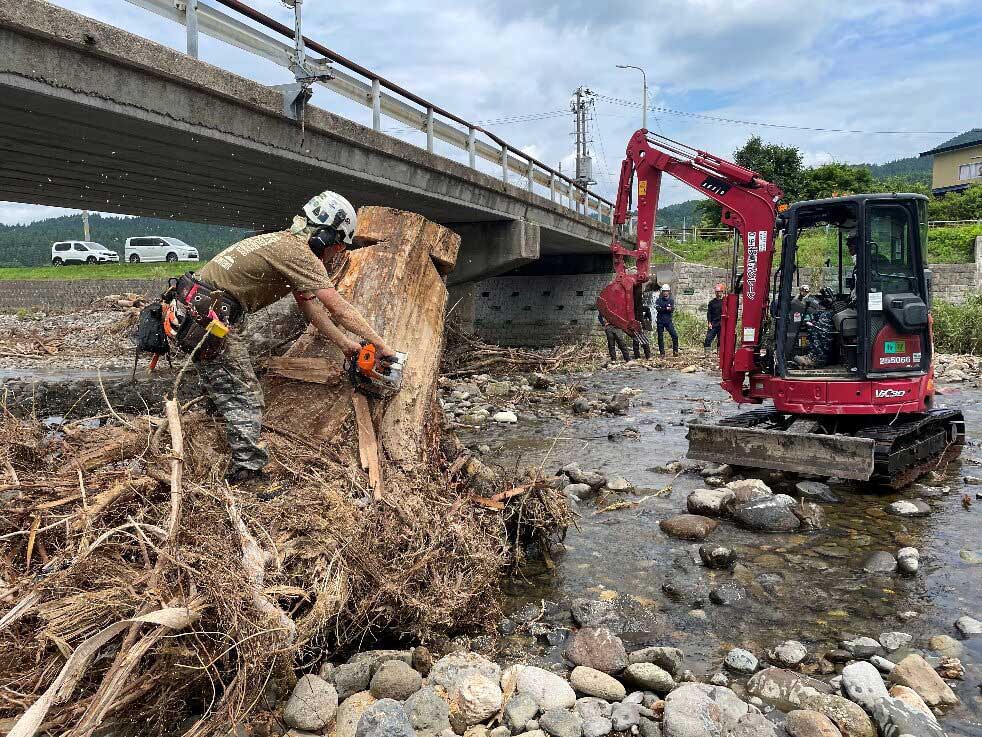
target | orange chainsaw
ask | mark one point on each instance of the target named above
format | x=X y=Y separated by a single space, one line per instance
x=374 y=374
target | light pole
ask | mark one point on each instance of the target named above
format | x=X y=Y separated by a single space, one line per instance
x=644 y=82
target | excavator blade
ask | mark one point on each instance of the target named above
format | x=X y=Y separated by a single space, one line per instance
x=830 y=455
x=617 y=304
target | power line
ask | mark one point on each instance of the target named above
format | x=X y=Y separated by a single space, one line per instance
x=735 y=121
x=528 y=118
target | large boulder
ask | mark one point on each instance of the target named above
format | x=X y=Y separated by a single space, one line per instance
x=474 y=699
x=395 y=680
x=385 y=718
x=688 y=526
x=862 y=683
x=767 y=514
x=649 y=677
x=915 y=673
x=700 y=710
x=597 y=648
x=784 y=689
x=708 y=502
x=312 y=705
x=850 y=718
x=806 y=723
x=596 y=683
x=549 y=690
x=350 y=711
x=428 y=712
x=788 y=654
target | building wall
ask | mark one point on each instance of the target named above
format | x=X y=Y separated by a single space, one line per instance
x=945 y=171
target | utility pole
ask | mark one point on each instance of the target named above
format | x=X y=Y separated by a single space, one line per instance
x=581 y=104
x=85 y=225
x=644 y=91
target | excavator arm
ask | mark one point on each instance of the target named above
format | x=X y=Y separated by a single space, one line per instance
x=749 y=205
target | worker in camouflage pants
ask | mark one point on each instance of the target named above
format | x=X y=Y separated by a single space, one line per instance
x=231 y=383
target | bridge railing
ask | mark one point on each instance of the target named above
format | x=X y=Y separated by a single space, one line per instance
x=361 y=85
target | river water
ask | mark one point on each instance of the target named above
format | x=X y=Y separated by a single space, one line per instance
x=805 y=586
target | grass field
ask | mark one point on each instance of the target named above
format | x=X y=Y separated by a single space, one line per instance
x=103 y=272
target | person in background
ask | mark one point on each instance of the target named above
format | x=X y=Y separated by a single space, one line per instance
x=714 y=318
x=665 y=307
x=646 y=327
x=615 y=340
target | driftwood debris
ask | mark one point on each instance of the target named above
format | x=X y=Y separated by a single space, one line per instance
x=398 y=285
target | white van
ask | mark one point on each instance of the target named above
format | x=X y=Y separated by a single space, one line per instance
x=81 y=252
x=158 y=248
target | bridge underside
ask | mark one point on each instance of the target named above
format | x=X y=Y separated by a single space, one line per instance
x=92 y=117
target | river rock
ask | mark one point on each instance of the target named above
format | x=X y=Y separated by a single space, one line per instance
x=895 y=717
x=474 y=699
x=519 y=711
x=909 y=508
x=385 y=718
x=596 y=683
x=708 y=502
x=351 y=678
x=666 y=658
x=505 y=417
x=589 y=707
x=908 y=560
x=452 y=668
x=768 y=514
x=746 y=490
x=700 y=710
x=597 y=648
x=788 y=654
x=816 y=491
x=716 y=556
x=892 y=641
x=882 y=664
x=350 y=711
x=688 y=526
x=880 y=562
x=740 y=661
x=395 y=680
x=598 y=727
x=909 y=696
x=561 y=723
x=850 y=718
x=969 y=626
x=549 y=690
x=946 y=645
x=784 y=689
x=649 y=677
x=915 y=673
x=593 y=479
x=428 y=712
x=752 y=725
x=728 y=594
x=625 y=716
x=580 y=491
x=862 y=683
x=862 y=647
x=312 y=705
x=806 y=723
x=593 y=613
x=498 y=389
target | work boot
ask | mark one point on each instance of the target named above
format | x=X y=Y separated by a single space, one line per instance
x=707 y=350
x=247 y=477
x=675 y=353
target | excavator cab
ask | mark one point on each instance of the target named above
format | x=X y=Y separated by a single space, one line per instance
x=867 y=316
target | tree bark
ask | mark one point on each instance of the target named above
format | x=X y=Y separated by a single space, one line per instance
x=398 y=284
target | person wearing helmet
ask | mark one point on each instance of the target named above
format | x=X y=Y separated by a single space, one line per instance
x=714 y=318
x=258 y=271
x=665 y=307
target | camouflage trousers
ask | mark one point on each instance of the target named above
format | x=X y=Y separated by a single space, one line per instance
x=230 y=382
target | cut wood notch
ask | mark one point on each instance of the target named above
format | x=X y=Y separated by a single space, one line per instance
x=368 y=450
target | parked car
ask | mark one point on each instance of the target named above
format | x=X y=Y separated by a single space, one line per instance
x=81 y=252
x=158 y=248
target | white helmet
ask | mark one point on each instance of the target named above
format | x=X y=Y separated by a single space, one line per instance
x=666 y=288
x=331 y=209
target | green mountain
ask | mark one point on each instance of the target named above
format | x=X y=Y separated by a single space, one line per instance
x=30 y=245
x=673 y=216
x=913 y=167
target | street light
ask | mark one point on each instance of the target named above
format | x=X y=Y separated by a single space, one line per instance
x=644 y=82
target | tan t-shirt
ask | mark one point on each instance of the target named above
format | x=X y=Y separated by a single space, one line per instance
x=263 y=269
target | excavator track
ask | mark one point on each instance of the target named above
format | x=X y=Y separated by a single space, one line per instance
x=888 y=454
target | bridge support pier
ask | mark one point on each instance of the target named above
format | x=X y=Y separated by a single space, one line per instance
x=491 y=248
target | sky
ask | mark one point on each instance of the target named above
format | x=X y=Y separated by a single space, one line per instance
x=869 y=66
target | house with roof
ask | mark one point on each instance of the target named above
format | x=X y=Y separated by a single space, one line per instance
x=957 y=163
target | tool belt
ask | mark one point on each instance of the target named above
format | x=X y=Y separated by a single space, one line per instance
x=197 y=316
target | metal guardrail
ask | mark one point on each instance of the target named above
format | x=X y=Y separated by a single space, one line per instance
x=951 y=223
x=372 y=90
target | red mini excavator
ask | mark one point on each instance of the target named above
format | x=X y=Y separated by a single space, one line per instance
x=848 y=372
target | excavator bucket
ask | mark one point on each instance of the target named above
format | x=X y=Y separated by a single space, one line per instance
x=780 y=450
x=619 y=303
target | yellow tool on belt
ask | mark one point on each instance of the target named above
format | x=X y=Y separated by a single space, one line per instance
x=376 y=375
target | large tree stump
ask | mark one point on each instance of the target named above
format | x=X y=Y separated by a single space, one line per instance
x=398 y=285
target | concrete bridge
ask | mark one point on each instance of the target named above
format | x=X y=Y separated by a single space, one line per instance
x=94 y=117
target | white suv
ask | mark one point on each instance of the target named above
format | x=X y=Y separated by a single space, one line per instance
x=81 y=252
x=158 y=248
